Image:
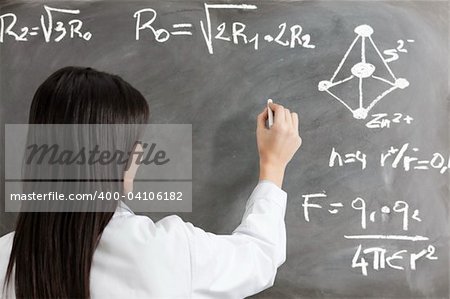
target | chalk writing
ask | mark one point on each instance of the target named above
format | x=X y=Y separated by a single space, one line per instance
x=384 y=120
x=381 y=257
x=50 y=29
x=406 y=157
x=363 y=70
x=290 y=36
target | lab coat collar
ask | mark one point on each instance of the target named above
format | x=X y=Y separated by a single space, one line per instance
x=122 y=208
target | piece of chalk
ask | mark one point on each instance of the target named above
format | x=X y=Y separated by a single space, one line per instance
x=270 y=114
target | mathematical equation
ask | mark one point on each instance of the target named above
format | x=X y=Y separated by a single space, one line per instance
x=291 y=36
x=50 y=29
x=359 y=204
x=285 y=36
x=405 y=156
x=381 y=257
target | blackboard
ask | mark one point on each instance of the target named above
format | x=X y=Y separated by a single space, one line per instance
x=220 y=87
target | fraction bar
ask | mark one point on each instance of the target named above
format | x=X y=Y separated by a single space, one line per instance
x=389 y=237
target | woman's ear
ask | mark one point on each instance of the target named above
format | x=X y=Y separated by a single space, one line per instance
x=132 y=167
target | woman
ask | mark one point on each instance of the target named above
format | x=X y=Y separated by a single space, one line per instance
x=121 y=255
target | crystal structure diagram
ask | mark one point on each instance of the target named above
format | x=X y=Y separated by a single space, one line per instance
x=361 y=71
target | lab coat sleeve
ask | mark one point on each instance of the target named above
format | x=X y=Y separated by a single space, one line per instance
x=245 y=262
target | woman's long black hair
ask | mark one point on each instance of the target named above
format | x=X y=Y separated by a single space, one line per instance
x=52 y=252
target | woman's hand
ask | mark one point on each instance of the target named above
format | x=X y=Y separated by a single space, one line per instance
x=277 y=145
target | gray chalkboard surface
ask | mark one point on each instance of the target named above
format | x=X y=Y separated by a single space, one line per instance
x=367 y=213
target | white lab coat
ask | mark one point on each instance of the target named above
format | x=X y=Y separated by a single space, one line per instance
x=138 y=258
